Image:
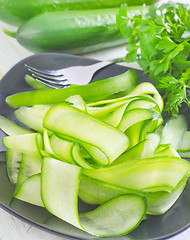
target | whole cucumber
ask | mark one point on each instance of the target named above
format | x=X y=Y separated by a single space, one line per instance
x=72 y=31
x=17 y=12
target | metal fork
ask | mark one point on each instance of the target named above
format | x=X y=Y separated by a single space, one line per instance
x=79 y=75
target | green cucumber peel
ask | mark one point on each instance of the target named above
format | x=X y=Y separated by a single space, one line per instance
x=35 y=84
x=16 y=13
x=92 y=92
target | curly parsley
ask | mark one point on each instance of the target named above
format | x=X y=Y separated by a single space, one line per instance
x=159 y=39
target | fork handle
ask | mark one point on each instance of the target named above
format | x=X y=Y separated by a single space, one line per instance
x=100 y=65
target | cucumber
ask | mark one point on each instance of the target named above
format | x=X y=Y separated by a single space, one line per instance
x=132 y=154
x=148 y=88
x=174 y=131
x=84 y=128
x=120 y=215
x=31 y=156
x=62 y=148
x=150 y=174
x=30 y=190
x=136 y=115
x=166 y=150
x=30 y=165
x=184 y=154
x=93 y=91
x=184 y=145
x=47 y=149
x=144 y=177
x=35 y=84
x=32 y=117
x=114 y=118
x=13 y=160
x=151 y=143
x=78 y=159
x=145 y=89
x=134 y=132
x=32 y=143
x=96 y=154
x=102 y=112
x=159 y=202
x=92 y=191
x=143 y=103
x=17 y=12
x=73 y=32
x=113 y=111
x=78 y=102
x=117 y=216
x=11 y=128
x=65 y=179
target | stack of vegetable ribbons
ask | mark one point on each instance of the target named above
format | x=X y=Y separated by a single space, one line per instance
x=106 y=146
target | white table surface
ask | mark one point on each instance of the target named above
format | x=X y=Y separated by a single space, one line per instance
x=11 y=52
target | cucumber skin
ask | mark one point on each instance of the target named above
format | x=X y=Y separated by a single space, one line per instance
x=72 y=31
x=93 y=91
x=16 y=12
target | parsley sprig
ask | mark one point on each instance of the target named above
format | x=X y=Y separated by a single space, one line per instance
x=159 y=39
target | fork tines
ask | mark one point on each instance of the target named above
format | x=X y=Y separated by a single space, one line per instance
x=48 y=78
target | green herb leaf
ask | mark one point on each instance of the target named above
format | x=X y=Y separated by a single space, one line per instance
x=175 y=91
x=159 y=39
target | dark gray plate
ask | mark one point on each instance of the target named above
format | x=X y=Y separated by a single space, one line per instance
x=167 y=225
